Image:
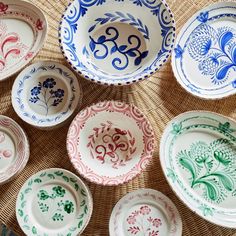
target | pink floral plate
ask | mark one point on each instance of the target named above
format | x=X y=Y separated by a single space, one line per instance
x=23 y=30
x=14 y=149
x=145 y=212
x=109 y=143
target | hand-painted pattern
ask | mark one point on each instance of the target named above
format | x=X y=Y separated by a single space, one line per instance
x=63 y=206
x=116 y=146
x=142 y=223
x=214 y=49
x=10 y=46
x=4 y=153
x=44 y=95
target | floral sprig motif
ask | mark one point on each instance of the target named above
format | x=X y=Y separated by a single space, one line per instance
x=4 y=153
x=44 y=95
x=142 y=222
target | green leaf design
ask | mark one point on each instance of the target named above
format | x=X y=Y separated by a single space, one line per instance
x=82 y=203
x=65 y=178
x=38 y=180
x=34 y=230
x=83 y=192
x=80 y=224
x=23 y=204
x=20 y=212
x=221 y=157
x=210 y=187
x=73 y=180
x=76 y=187
x=58 y=173
x=58 y=217
x=176 y=128
x=85 y=209
x=227 y=182
x=26 y=219
x=43 y=174
x=28 y=190
x=22 y=196
x=72 y=229
x=171 y=174
x=206 y=210
x=26 y=227
x=51 y=176
x=30 y=182
x=69 y=234
x=225 y=127
x=81 y=216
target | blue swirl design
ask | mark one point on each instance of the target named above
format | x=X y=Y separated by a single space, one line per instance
x=49 y=83
x=121 y=62
x=213 y=49
x=70 y=25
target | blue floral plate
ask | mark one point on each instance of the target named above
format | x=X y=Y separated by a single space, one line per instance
x=117 y=42
x=4 y=231
x=204 y=58
x=46 y=94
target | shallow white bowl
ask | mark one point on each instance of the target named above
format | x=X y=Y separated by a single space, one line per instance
x=46 y=94
x=109 y=143
x=23 y=29
x=117 y=42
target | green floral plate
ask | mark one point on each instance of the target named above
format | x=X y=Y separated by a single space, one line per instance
x=198 y=157
x=54 y=202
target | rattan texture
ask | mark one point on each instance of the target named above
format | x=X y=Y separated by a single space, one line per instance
x=159 y=97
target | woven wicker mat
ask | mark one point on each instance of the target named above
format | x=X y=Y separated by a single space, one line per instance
x=160 y=98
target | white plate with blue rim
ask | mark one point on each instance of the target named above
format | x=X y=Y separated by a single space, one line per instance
x=204 y=57
x=198 y=158
x=117 y=42
x=46 y=94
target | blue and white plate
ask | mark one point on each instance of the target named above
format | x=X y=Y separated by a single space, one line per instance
x=46 y=94
x=117 y=42
x=204 y=58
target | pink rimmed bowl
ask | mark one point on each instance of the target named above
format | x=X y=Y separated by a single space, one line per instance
x=109 y=143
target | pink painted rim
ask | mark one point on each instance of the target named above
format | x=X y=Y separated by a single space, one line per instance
x=21 y=145
x=109 y=106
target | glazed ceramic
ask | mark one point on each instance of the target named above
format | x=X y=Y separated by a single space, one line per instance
x=198 y=157
x=46 y=94
x=117 y=42
x=145 y=212
x=14 y=149
x=5 y=231
x=204 y=58
x=109 y=143
x=23 y=30
x=54 y=202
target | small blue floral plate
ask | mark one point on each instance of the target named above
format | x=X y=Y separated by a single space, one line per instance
x=46 y=94
x=117 y=42
x=204 y=57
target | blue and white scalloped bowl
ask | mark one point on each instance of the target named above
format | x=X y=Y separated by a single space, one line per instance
x=46 y=94
x=117 y=42
x=204 y=58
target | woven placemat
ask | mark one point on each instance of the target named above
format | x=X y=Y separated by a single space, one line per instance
x=159 y=97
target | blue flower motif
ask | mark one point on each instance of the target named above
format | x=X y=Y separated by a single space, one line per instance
x=234 y=83
x=178 y=51
x=203 y=17
x=49 y=83
x=59 y=93
x=35 y=91
x=34 y=99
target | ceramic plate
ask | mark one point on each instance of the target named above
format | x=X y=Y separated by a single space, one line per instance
x=198 y=156
x=54 y=202
x=46 y=94
x=23 y=30
x=4 y=231
x=117 y=42
x=204 y=58
x=110 y=142
x=14 y=149
x=145 y=212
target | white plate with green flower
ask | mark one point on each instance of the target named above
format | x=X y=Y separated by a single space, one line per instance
x=54 y=202
x=198 y=157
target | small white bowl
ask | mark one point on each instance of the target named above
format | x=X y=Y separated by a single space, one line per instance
x=109 y=143
x=46 y=94
x=117 y=42
x=14 y=149
x=54 y=202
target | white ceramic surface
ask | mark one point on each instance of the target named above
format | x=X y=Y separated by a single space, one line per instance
x=117 y=42
x=198 y=157
x=14 y=149
x=145 y=212
x=54 y=202
x=46 y=94
x=23 y=30
x=204 y=58
x=110 y=142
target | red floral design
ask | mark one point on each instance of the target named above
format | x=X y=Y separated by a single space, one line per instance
x=143 y=224
x=4 y=153
x=3 y=7
x=111 y=142
x=39 y=24
x=10 y=46
x=29 y=55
